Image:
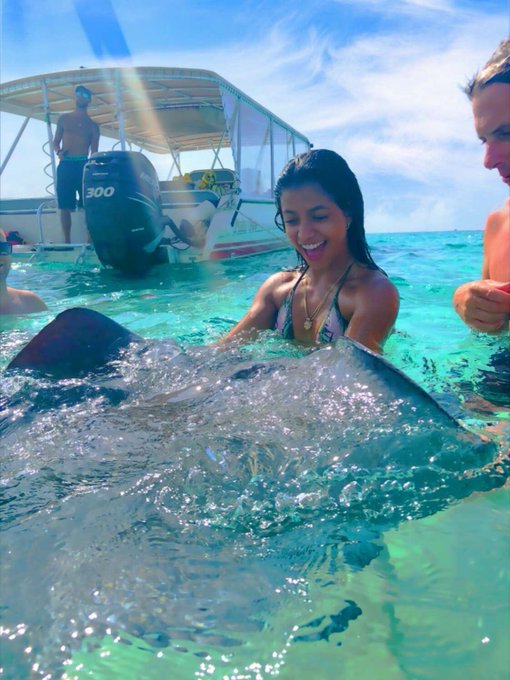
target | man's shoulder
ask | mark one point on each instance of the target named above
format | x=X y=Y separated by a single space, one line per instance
x=499 y=220
x=25 y=301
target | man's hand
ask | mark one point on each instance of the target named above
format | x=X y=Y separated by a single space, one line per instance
x=483 y=305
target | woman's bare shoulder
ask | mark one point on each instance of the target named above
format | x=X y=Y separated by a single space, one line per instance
x=282 y=278
x=287 y=275
x=362 y=276
x=372 y=286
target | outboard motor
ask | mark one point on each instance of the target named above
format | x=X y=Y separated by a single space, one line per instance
x=123 y=209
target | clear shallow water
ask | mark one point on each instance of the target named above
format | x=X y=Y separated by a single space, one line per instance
x=172 y=522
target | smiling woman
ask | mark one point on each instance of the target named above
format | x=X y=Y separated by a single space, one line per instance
x=337 y=289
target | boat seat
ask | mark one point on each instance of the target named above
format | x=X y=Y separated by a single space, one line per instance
x=188 y=196
x=175 y=184
x=225 y=178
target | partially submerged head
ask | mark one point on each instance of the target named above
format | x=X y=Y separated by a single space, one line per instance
x=489 y=92
x=83 y=96
x=331 y=172
x=5 y=256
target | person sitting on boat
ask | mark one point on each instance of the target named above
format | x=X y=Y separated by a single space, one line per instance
x=484 y=304
x=337 y=289
x=14 y=300
x=194 y=230
x=77 y=135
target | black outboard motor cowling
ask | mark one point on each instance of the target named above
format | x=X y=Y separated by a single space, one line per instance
x=123 y=209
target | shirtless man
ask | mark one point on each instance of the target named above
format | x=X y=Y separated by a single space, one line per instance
x=14 y=300
x=76 y=135
x=485 y=304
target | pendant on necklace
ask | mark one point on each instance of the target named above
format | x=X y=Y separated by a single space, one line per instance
x=307 y=324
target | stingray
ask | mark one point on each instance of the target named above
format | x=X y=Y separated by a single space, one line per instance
x=210 y=495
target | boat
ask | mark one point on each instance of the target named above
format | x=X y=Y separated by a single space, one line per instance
x=220 y=151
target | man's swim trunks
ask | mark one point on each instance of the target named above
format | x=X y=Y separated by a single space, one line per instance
x=70 y=182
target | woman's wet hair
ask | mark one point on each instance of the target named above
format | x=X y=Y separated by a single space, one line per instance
x=332 y=173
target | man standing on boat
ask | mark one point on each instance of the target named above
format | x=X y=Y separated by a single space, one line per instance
x=77 y=135
x=485 y=304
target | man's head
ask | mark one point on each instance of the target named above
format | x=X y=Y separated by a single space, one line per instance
x=83 y=96
x=489 y=92
x=496 y=70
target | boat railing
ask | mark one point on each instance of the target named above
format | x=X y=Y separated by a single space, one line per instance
x=79 y=251
x=50 y=203
x=48 y=170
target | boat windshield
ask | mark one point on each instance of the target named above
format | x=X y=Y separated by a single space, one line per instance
x=260 y=145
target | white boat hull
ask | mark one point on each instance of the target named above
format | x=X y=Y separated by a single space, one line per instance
x=240 y=227
x=37 y=224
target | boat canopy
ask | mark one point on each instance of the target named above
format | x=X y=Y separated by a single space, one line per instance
x=166 y=110
x=158 y=108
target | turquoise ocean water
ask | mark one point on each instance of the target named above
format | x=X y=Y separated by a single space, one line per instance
x=145 y=538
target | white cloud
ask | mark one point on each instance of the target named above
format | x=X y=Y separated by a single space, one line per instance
x=395 y=6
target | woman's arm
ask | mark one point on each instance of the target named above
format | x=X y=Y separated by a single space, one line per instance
x=376 y=307
x=261 y=315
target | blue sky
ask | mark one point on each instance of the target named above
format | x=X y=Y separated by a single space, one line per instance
x=379 y=81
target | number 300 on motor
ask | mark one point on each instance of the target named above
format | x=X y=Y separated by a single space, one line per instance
x=100 y=192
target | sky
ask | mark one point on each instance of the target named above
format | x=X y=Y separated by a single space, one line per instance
x=378 y=81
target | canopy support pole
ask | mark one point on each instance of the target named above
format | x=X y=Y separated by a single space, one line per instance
x=50 y=133
x=239 y=159
x=216 y=151
x=14 y=144
x=176 y=161
x=120 y=111
x=271 y=144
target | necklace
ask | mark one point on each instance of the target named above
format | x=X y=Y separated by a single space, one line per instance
x=309 y=318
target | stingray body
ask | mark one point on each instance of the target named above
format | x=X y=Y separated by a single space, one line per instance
x=75 y=342
x=194 y=509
